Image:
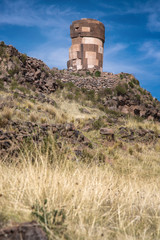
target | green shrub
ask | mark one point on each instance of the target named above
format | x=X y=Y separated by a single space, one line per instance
x=13 y=71
x=154 y=104
x=2 y=44
x=90 y=95
x=3 y=122
x=101 y=107
x=121 y=89
x=135 y=81
x=70 y=86
x=2 y=51
x=126 y=85
x=52 y=73
x=60 y=84
x=14 y=85
x=107 y=91
x=97 y=74
x=78 y=94
x=131 y=84
x=121 y=76
x=98 y=123
x=70 y=96
x=88 y=73
x=51 y=220
x=142 y=91
x=138 y=97
x=24 y=58
x=151 y=98
x=112 y=112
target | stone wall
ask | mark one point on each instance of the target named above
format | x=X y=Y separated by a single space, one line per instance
x=88 y=39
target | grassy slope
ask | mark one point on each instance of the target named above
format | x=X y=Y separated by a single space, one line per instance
x=110 y=193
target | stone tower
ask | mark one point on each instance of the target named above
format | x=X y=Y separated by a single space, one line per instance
x=86 y=52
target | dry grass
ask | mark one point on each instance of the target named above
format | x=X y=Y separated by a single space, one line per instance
x=150 y=125
x=100 y=202
x=117 y=199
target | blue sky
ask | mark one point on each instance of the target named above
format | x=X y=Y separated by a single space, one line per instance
x=41 y=28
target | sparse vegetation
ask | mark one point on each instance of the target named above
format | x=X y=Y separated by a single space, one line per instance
x=131 y=84
x=13 y=71
x=97 y=74
x=24 y=58
x=121 y=89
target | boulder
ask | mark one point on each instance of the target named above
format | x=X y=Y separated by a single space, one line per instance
x=24 y=231
x=107 y=132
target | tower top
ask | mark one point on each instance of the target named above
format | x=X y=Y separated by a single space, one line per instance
x=87 y=27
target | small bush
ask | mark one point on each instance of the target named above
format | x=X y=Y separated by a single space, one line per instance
x=70 y=86
x=154 y=104
x=130 y=150
x=14 y=85
x=51 y=220
x=88 y=73
x=151 y=98
x=138 y=97
x=33 y=117
x=60 y=84
x=90 y=95
x=3 y=122
x=126 y=85
x=70 y=96
x=106 y=91
x=135 y=81
x=121 y=76
x=7 y=113
x=13 y=71
x=121 y=89
x=2 y=51
x=98 y=123
x=2 y=44
x=52 y=73
x=97 y=74
x=24 y=58
x=51 y=111
x=131 y=84
x=142 y=91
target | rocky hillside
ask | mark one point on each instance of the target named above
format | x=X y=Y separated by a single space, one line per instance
x=117 y=92
x=19 y=68
x=103 y=129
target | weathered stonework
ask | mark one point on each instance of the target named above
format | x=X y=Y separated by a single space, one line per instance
x=86 y=52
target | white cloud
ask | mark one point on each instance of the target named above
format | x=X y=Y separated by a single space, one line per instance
x=115 y=49
x=154 y=22
x=27 y=13
x=151 y=49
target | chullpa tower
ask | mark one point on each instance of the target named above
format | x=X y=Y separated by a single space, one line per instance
x=86 y=52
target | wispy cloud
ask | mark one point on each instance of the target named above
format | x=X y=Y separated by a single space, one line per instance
x=115 y=49
x=27 y=13
x=151 y=50
x=154 y=22
x=150 y=8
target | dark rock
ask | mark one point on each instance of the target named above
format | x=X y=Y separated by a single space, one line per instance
x=24 y=231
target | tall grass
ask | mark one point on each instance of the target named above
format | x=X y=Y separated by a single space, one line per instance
x=98 y=201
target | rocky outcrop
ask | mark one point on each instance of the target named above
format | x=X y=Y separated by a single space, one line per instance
x=10 y=141
x=28 y=71
x=117 y=92
x=24 y=231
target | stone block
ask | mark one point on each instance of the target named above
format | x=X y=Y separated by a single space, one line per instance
x=86 y=29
